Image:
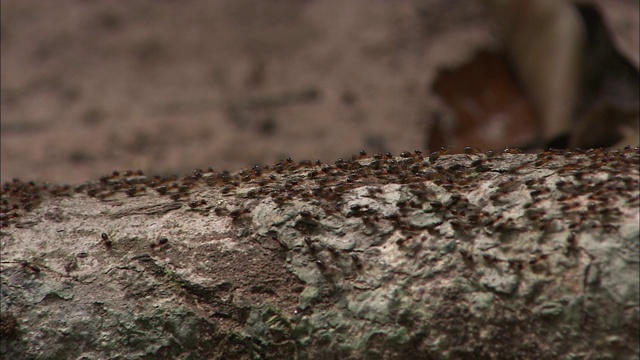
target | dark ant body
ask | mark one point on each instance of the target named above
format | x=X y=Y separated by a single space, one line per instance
x=310 y=245
x=132 y=191
x=490 y=259
x=160 y=242
x=471 y=151
x=356 y=261
x=515 y=264
x=106 y=241
x=333 y=251
x=537 y=259
x=70 y=266
x=466 y=256
x=194 y=204
x=30 y=266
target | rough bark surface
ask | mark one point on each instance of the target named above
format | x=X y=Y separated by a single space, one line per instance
x=473 y=256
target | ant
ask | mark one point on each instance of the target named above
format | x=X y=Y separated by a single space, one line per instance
x=356 y=261
x=333 y=251
x=106 y=241
x=27 y=265
x=160 y=242
x=466 y=256
x=107 y=238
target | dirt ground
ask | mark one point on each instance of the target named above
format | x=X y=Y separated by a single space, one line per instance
x=88 y=87
x=93 y=86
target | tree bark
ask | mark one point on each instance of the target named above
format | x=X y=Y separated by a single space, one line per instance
x=472 y=256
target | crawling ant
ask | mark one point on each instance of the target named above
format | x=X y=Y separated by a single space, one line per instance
x=160 y=242
x=106 y=241
x=434 y=156
x=538 y=259
x=471 y=151
x=459 y=225
x=282 y=244
x=512 y=151
x=26 y=265
x=309 y=243
x=356 y=261
x=466 y=256
x=30 y=266
x=515 y=264
x=251 y=194
x=333 y=251
x=194 y=204
x=490 y=259
x=508 y=186
x=531 y=182
x=539 y=192
x=132 y=191
x=571 y=242
x=237 y=213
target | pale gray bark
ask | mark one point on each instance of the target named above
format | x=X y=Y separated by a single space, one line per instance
x=455 y=257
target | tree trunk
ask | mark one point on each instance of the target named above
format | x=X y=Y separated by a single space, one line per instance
x=474 y=256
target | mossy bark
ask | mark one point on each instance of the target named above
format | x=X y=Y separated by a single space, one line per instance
x=482 y=256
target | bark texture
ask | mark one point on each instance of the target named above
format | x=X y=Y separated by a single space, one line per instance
x=473 y=256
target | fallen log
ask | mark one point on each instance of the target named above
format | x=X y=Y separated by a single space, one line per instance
x=473 y=256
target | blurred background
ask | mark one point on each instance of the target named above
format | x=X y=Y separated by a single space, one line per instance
x=92 y=86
